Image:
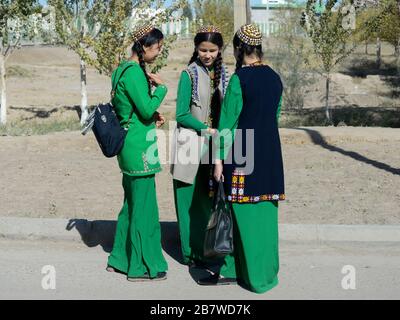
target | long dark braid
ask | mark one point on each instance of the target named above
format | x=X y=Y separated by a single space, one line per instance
x=217 y=70
x=138 y=48
x=216 y=98
x=240 y=58
x=194 y=57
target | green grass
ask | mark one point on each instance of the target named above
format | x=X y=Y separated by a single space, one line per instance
x=17 y=71
x=34 y=127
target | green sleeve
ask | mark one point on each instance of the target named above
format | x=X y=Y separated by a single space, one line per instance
x=230 y=112
x=137 y=88
x=278 y=112
x=183 y=101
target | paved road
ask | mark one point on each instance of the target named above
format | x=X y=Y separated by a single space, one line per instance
x=308 y=271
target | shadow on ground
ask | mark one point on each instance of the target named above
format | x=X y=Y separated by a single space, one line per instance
x=318 y=139
x=102 y=232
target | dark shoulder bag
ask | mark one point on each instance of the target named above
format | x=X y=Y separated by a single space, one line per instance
x=106 y=127
x=218 y=240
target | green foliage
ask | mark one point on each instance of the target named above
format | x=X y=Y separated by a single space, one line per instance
x=218 y=13
x=289 y=59
x=161 y=60
x=390 y=22
x=328 y=32
x=380 y=20
x=100 y=31
x=18 y=71
x=15 y=23
x=187 y=11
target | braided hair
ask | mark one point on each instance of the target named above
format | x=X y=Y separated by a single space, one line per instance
x=243 y=49
x=215 y=38
x=153 y=37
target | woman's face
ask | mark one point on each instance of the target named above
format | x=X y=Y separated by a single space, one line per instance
x=208 y=53
x=151 y=53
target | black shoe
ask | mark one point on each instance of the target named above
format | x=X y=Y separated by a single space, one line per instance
x=216 y=280
x=197 y=264
x=146 y=277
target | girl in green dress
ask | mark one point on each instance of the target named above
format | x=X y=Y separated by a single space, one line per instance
x=201 y=89
x=137 y=245
x=249 y=125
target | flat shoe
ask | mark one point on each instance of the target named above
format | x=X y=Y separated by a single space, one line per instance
x=216 y=280
x=160 y=276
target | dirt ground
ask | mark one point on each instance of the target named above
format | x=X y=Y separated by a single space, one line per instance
x=343 y=175
x=44 y=83
x=333 y=175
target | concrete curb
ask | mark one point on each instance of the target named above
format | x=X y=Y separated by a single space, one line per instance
x=102 y=231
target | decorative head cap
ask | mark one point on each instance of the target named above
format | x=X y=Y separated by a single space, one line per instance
x=209 y=29
x=250 y=34
x=140 y=31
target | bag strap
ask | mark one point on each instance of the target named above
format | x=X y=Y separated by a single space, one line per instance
x=220 y=194
x=114 y=87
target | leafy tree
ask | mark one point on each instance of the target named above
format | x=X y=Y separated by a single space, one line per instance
x=187 y=11
x=15 y=24
x=218 y=13
x=290 y=58
x=331 y=33
x=390 y=24
x=100 y=31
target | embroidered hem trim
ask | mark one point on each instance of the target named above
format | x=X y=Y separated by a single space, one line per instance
x=238 y=193
x=255 y=199
x=141 y=171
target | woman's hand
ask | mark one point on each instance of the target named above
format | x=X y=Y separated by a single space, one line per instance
x=155 y=79
x=211 y=131
x=159 y=119
x=218 y=168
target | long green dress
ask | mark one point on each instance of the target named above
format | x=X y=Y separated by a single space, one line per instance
x=137 y=246
x=192 y=201
x=255 y=261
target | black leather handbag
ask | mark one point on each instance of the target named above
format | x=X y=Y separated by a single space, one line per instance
x=106 y=127
x=218 y=240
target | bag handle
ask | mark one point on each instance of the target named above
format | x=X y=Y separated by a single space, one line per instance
x=220 y=196
x=112 y=93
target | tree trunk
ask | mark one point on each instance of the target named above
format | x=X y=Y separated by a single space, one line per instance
x=378 y=53
x=327 y=109
x=3 y=106
x=366 y=47
x=398 y=56
x=398 y=45
x=240 y=16
x=248 y=12
x=84 y=107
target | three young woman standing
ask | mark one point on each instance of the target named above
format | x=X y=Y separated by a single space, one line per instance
x=251 y=101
